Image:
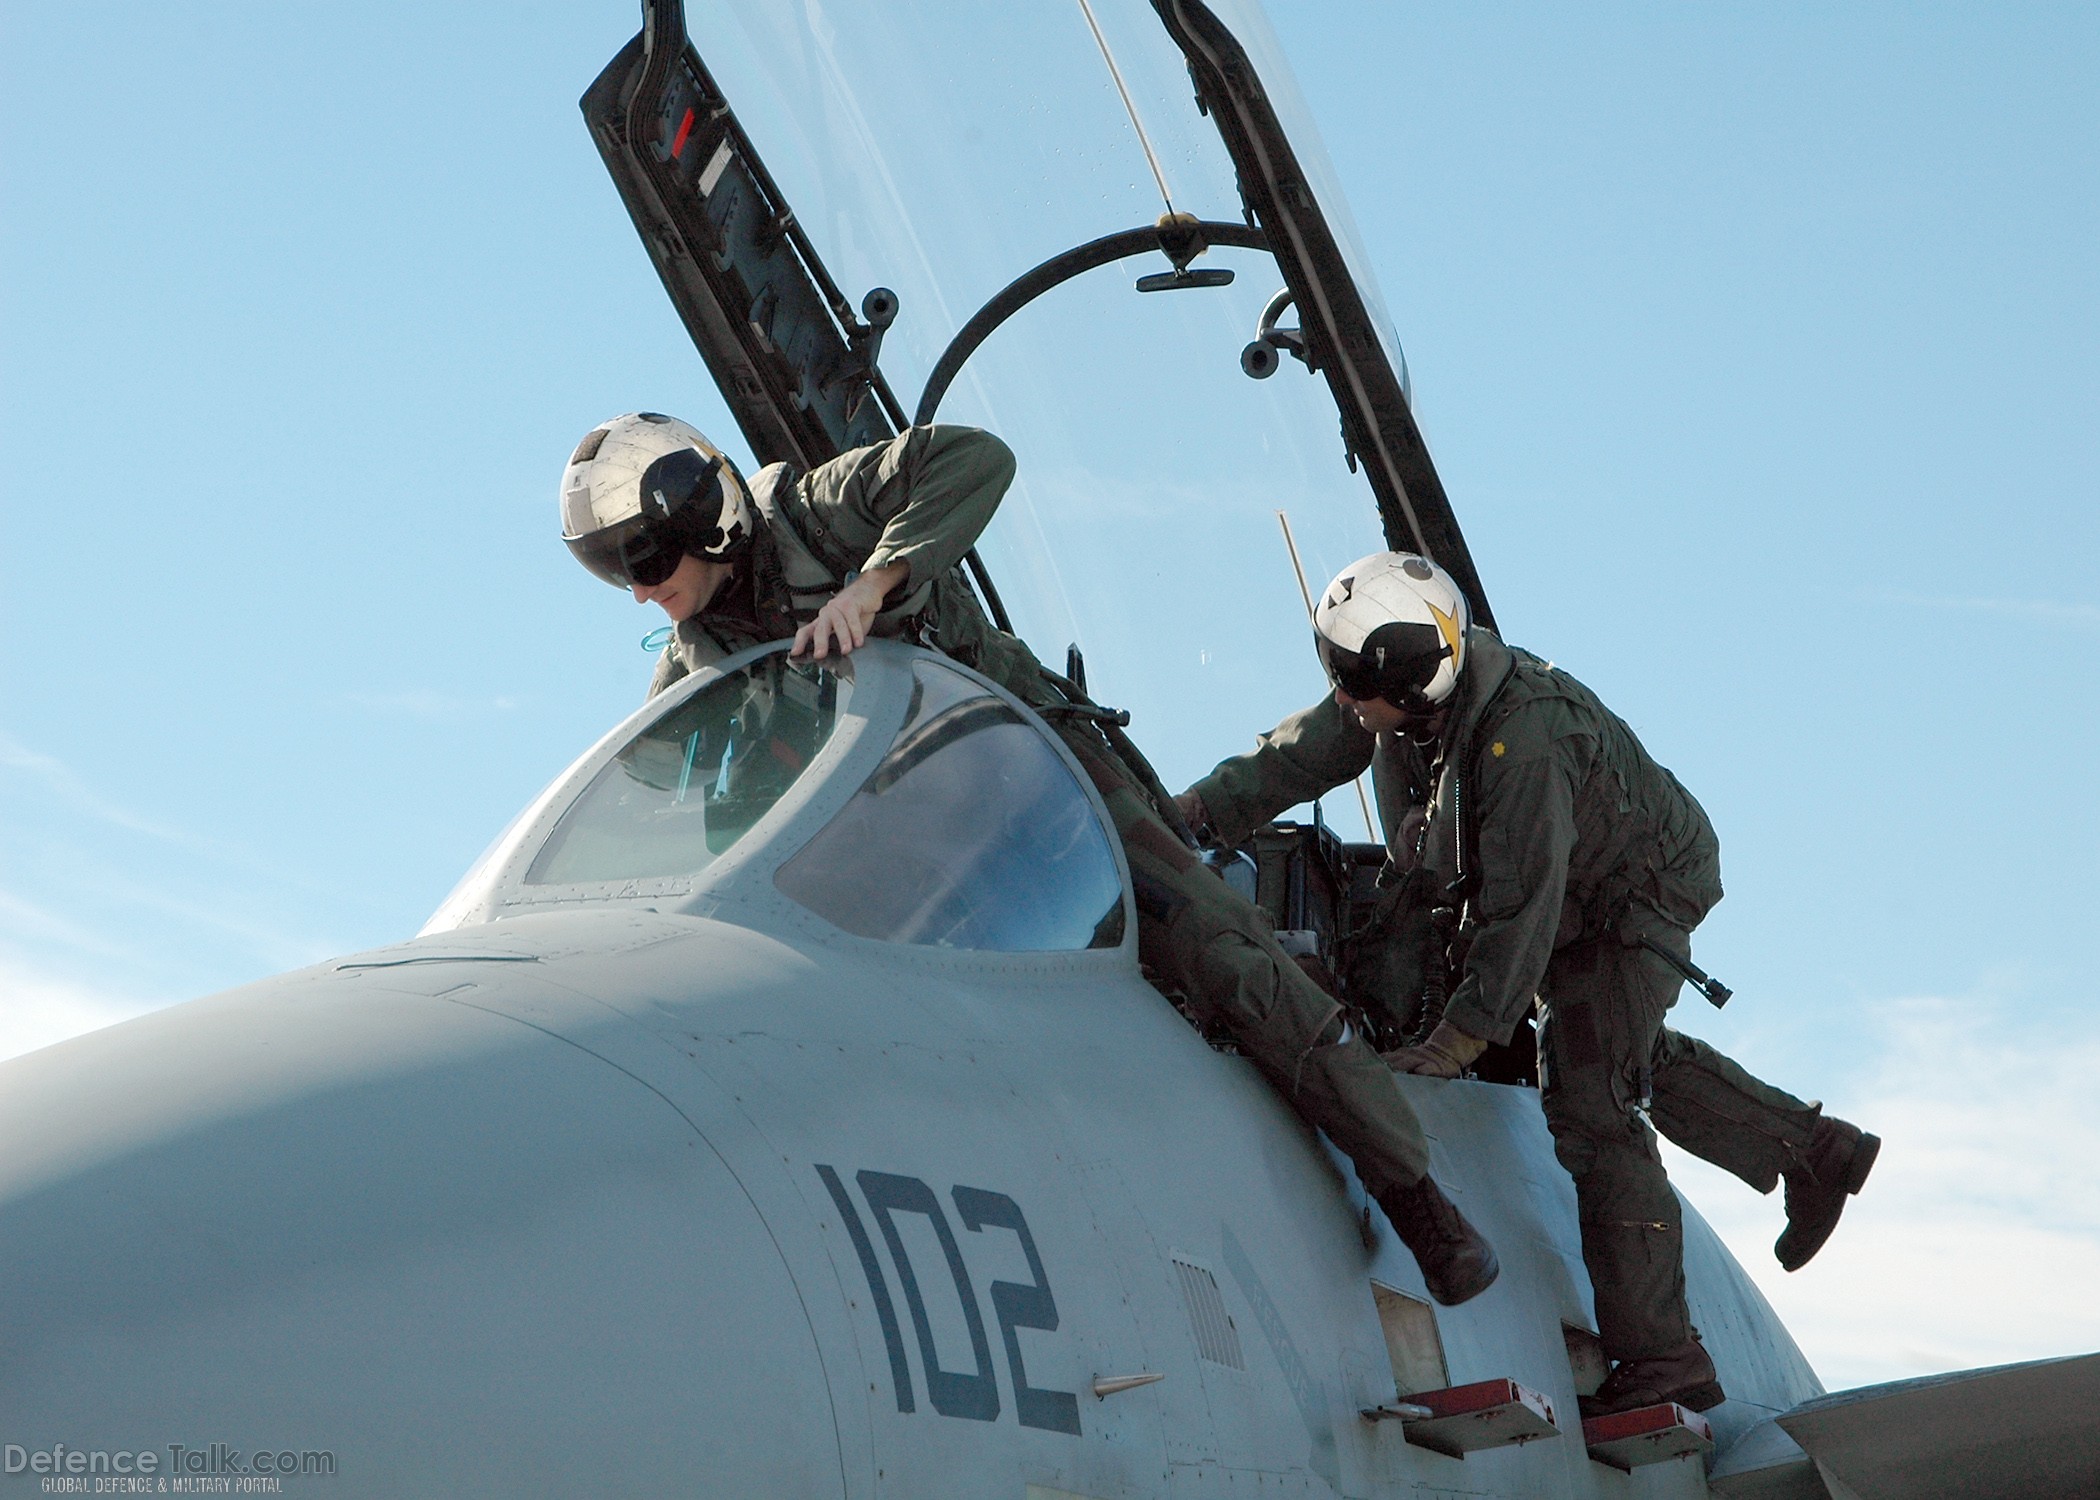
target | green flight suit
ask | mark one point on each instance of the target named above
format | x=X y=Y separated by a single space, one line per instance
x=923 y=498
x=1569 y=844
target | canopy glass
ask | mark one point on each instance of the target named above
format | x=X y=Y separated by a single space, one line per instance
x=923 y=155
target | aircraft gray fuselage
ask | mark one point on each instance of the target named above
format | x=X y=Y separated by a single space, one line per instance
x=669 y=1185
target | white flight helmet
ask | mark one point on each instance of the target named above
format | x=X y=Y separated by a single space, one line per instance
x=1393 y=626
x=645 y=490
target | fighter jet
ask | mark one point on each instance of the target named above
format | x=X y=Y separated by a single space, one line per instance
x=777 y=1108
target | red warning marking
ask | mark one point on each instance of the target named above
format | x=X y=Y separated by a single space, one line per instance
x=685 y=128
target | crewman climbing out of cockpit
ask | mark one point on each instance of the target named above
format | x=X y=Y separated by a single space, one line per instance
x=869 y=543
x=1580 y=867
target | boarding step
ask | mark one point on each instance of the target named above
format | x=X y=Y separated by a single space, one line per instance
x=1462 y=1419
x=1647 y=1435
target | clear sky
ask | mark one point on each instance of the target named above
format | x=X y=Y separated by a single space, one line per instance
x=1755 y=346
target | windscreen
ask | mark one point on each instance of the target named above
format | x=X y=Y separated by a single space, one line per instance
x=971 y=833
x=943 y=159
x=692 y=783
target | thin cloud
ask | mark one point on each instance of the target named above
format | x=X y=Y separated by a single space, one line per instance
x=77 y=794
x=73 y=791
x=123 y=937
x=274 y=948
x=1977 y=1239
x=2040 y=611
x=427 y=703
x=42 y=1010
x=37 y=922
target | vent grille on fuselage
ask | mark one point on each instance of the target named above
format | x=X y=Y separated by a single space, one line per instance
x=1216 y=1339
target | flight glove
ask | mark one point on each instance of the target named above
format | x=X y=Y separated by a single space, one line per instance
x=1447 y=1053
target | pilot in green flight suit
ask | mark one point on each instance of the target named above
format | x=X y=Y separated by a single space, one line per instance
x=1577 y=858
x=870 y=542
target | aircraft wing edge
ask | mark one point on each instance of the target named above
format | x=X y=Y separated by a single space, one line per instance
x=1765 y=1464
x=2025 y=1429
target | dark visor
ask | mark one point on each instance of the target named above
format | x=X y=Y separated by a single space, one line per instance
x=1346 y=669
x=636 y=553
x=1404 y=658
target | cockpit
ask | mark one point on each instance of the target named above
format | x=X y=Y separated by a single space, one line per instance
x=778 y=157
x=892 y=795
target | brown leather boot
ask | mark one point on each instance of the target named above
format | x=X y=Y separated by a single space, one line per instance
x=1684 y=1375
x=1456 y=1260
x=1833 y=1166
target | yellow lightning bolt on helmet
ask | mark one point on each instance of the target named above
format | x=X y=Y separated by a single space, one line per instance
x=1393 y=626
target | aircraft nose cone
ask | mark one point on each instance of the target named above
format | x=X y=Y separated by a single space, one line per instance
x=435 y=1248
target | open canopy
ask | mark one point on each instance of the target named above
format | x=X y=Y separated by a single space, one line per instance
x=830 y=192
